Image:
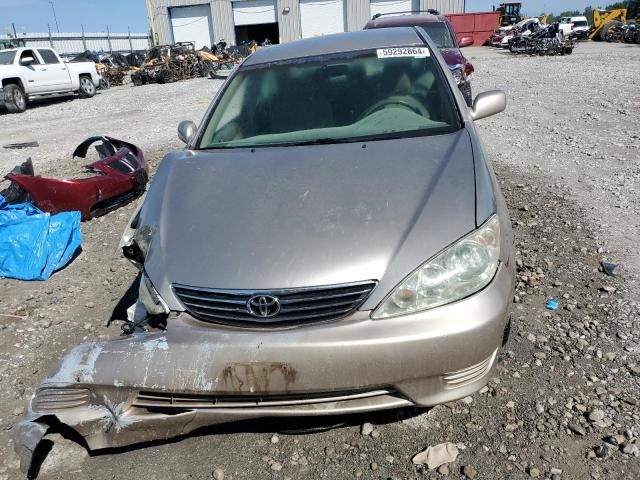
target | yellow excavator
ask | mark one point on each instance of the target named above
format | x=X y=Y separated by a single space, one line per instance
x=606 y=20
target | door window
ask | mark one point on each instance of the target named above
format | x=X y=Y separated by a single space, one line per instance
x=48 y=56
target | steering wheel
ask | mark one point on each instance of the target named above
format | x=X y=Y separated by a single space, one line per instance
x=407 y=102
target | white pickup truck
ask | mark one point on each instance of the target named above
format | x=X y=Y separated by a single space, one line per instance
x=574 y=26
x=31 y=73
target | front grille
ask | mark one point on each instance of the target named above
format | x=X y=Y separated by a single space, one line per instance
x=188 y=401
x=49 y=399
x=297 y=306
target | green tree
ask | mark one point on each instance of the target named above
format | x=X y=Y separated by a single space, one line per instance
x=569 y=13
x=588 y=12
x=617 y=5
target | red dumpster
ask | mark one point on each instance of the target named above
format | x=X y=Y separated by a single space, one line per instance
x=480 y=25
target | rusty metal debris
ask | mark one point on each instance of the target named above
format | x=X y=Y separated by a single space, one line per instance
x=172 y=63
x=111 y=76
x=18 y=146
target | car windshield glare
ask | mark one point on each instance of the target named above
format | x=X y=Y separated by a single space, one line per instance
x=333 y=99
x=6 y=58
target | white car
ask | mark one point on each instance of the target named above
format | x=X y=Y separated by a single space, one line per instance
x=523 y=27
x=578 y=26
x=30 y=73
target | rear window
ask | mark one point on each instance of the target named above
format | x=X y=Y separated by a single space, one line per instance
x=439 y=33
x=48 y=56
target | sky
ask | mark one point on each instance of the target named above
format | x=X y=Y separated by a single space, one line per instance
x=96 y=15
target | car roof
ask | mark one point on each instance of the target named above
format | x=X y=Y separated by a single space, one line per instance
x=336 y=43
x=578 y=18
x=403 y=20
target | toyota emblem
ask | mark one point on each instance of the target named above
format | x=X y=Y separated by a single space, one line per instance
x=263 y=306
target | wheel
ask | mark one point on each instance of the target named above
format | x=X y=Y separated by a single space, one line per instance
x=607 y=27
x=87 y=89
x=568 y=50
x=14 y=99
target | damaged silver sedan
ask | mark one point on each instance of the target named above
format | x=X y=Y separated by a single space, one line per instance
x=332 y=240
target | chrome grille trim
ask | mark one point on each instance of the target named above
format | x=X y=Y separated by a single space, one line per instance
x=147 y=399
x=297 y=305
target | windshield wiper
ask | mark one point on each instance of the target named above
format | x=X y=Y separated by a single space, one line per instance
x=329 y=140
x=322 y=141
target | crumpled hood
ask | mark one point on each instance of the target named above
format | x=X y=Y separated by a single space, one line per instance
x=283 y=217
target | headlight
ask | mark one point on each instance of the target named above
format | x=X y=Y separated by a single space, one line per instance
x=458 y=73
x=455 y=273
x=150 y=297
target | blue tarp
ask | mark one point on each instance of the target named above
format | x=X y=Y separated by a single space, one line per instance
x=34 y=244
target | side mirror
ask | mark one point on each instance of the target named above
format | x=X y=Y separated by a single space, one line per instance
x=186 y=131
x=465 y=42
x=488 y=103
x=26 y=61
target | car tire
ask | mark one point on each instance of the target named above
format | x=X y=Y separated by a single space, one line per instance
x=608 y=26
x=87 y=89
x=15 y=100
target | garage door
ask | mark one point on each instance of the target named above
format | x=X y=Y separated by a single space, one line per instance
x=321 y=17
x=192 y=24
x=254 y=12
x=390 y=6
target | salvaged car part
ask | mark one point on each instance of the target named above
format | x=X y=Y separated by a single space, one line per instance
x=543 y=40
x=350 y=256
x=120 y=177
x=18 y=146
x=172 y=63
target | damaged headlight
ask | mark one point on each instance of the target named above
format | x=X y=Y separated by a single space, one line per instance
x=458 y=73
x=136 y=239
x=150 y=297
x=455 y=273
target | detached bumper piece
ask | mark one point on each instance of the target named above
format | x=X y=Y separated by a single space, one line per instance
x=120 y=176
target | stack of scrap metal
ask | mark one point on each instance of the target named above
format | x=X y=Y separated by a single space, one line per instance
x=171 y=63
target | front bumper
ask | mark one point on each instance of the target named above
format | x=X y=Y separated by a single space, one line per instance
x=160 y=385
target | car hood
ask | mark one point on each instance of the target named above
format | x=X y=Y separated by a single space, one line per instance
x=282 y=217
x=453 y=56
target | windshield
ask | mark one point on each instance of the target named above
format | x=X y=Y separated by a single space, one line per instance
x=580 y=23
x=6 y=58
x=439 y=33
x=333 y=99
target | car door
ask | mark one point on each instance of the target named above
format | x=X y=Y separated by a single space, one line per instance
x=30 y=65
x=55 y=74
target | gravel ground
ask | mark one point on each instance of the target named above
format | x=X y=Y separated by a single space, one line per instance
x=564 y=402
x=148 y=115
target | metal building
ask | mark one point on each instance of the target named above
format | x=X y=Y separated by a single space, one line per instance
x=206 y=22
